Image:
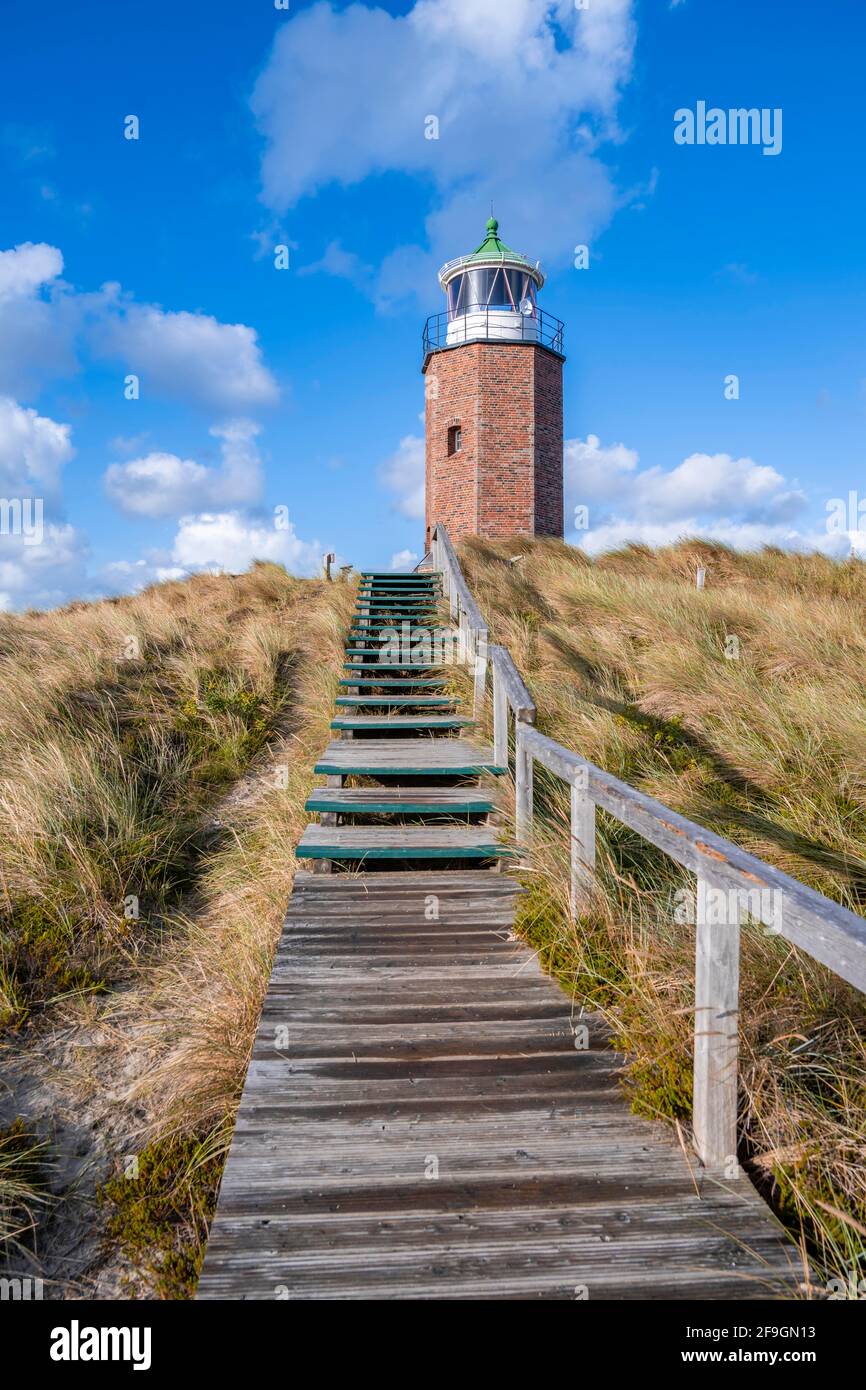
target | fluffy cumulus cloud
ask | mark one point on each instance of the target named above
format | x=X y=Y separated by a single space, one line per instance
x=404 y=560
x=26 y=268
x=33 y=451
x=160 y=484
x=218 y=542
x=44 y=568
x=44 y=561
x=734 y=500
x=523 y=92
x=42 y=557
x=231 y=541
x=403 y=475
x=187 y=356
x=47 y=329
x=39 y=318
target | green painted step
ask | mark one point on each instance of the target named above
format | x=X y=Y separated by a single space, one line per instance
x=430 y=682
x=385 y=627
x=410 y=801
x=399 y=842
x=398 y=641
x=364 y=651
x=410 y=757
x=359 y=722
x=395 y=701
x=369 y=666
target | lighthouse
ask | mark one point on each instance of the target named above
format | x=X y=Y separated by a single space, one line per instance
x=493 y=386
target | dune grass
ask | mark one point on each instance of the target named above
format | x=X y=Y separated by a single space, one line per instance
x=23 y=1190
x=156 y=753
x=743 y=707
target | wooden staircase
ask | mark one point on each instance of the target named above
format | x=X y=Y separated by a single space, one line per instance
x=425 y=1114
x=400 y=612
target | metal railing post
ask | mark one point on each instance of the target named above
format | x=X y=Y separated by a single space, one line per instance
x=717 y=985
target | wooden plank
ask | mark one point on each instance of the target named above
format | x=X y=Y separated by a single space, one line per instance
x=823 y=929
x=396 y=701
x=433 y=1132
x=410 y=758
x=582 y=848
x=401 y=721
x=399 y=842
x=717 y=972
x=519 y=697
x=453 y=801
x=406 y=682
x=406 y=1026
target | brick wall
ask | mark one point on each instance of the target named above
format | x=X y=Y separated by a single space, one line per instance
x=507 y=478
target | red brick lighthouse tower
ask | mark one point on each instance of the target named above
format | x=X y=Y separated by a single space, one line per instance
x=493 y=368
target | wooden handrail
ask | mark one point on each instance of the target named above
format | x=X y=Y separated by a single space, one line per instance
x=731 y=883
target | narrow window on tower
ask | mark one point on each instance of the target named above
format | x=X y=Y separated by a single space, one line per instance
x=455 y=439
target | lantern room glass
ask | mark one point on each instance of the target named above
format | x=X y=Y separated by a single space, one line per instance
x=490 y=287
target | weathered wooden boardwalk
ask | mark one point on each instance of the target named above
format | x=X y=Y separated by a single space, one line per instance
x=425 y=1115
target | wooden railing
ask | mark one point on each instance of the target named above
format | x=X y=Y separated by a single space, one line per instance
x=730 y=883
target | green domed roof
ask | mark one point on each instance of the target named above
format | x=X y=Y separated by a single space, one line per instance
x=493 y=248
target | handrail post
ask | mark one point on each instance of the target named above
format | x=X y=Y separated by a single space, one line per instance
x=479 y=689
x=582 y=839
x=717 y=981
x=523 y=787
x=500 y=719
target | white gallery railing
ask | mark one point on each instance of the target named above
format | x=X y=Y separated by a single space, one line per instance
x=731 y=884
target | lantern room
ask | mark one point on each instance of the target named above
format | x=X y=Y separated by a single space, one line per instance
x=492 y=295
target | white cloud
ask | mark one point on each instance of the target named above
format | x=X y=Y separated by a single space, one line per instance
x=594 y=471
x=33 y=451
x=156 y=485
x=404 y=560
x=718 y=485
x=523 y=91
x=342 y=264
x=735 y=500
x=132 y=575
x=403 y=474
x=46 y=574
x=45 y=325
x=190 y=356
x=42 y=561
x=26 y=268
x=161 y=484
x=39 y=318
x=742 y=535
x=231 y=541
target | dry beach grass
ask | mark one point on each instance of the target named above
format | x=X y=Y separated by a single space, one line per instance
x=627 y=663
x=156 y=752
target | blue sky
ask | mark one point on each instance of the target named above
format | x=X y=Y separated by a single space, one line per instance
x=300 y=389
